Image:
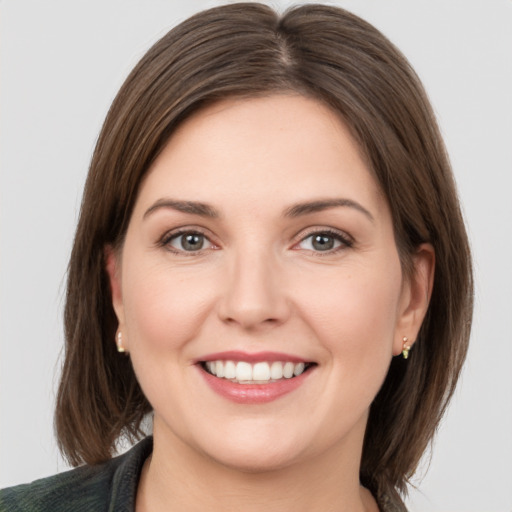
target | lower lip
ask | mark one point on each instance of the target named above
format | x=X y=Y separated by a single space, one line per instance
x=253 y=393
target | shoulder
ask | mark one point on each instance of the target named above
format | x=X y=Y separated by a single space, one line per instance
x=108 y=486
x=84 y=488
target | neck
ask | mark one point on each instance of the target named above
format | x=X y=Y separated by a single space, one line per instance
x=177 y=478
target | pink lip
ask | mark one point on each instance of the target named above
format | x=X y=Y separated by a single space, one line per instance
x=253 y=393
x=237 y=355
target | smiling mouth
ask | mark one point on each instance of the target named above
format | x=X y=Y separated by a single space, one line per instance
x=243 y=372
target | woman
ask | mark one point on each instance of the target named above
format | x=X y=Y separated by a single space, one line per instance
x=271 y=260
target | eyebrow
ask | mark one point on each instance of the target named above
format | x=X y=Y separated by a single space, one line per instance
x=324 y=204
x=193 y=207
x=296 y=210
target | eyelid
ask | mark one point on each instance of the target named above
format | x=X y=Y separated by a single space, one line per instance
x=171 y=234
x=346 y=240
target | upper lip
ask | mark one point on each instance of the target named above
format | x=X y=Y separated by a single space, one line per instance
x=254 y=357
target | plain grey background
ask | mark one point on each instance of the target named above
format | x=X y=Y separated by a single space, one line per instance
x=62 y=63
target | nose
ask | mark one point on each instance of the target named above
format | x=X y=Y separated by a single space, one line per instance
x=254 y=293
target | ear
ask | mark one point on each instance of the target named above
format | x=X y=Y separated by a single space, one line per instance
x=113 y=268
x=416 y=293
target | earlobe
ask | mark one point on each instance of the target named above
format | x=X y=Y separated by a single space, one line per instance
x=416 y=298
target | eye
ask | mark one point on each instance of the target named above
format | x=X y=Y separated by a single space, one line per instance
x=324 y=241
x=189 y=241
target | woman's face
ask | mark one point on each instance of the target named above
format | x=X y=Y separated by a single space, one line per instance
x=260 y=245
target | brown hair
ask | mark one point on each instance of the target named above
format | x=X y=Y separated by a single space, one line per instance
x=246 y=50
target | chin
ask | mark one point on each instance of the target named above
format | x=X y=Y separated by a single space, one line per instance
x=262 y=459
x=252 y=446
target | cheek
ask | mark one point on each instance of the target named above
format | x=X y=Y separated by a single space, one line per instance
x=355 y=312
x=163 y=308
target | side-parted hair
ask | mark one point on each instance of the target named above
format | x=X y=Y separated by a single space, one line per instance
x=248 y=50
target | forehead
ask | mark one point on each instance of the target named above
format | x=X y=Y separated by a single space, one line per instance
x=273 y=149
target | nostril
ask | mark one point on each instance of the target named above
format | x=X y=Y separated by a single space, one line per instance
x=251 y=319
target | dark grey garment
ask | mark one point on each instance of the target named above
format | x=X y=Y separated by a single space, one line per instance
x=108 y=487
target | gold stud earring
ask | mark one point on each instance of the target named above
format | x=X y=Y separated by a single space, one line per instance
x=406 y=347
x=119 y=342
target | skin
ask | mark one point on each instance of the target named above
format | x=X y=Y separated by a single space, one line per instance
x=259 y=284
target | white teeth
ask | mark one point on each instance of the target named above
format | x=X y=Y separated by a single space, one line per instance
x=261 y=371
x=276 y=370
x=229 y=370
x=243 y=371
x=298 y=369
x=288 y=370
x=247 y=373
x=219 y=369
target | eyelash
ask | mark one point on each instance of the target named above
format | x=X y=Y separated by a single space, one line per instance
x=168 y=237
x=344 y=240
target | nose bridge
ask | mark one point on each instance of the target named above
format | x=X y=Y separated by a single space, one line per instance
x=254 y=294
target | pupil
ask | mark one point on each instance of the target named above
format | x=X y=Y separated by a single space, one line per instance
x=192 y=242
x=323 y=242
